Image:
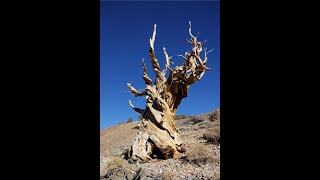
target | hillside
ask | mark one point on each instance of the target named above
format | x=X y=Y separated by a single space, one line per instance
x=201 y=161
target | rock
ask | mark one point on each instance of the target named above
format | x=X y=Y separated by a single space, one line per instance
x=120 y=174
x=142 y=172
x=189 y=171
x=132 y=166
x=179 y=169
x=131 y=161
x=129 y=176
x=149 y=172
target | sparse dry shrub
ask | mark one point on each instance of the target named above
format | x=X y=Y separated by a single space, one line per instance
x=198 y=154
x=186 y=122
x=168 y=175
x=112 y=168
x=212 y=135
x=129 y=120
x=178 y=117
x=215 y=115
x=185 y=128
x=208 y=135
x=215 y=123
x=196 y=119
x=204 y=124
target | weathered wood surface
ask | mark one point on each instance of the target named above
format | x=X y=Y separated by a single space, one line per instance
x=158 y=135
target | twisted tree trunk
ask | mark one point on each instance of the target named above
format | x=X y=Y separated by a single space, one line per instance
x=158 y=135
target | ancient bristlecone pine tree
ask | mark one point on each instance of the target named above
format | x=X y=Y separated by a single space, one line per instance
x=157 y=135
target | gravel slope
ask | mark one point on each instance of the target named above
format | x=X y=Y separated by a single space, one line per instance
x=115 y=140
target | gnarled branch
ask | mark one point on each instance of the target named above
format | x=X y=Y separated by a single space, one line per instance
x=167 y=59
x=153 y=59
x=146 y=78
x=136 y=109
x=194 y=37
x=134 y=91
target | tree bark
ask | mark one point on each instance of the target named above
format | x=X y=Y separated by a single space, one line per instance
x=158 y=135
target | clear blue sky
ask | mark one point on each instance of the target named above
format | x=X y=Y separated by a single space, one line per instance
x=125 y=29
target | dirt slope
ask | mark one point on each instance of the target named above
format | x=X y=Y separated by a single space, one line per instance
x=117 y=137
x=201 y=161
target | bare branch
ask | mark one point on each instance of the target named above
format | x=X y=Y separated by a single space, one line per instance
x=191 y=63
x=200 y=76
x=134 y=91
x=167 y=59
x=153 y=37
x=151 y=92
x=160 y=76
x=182 y=56
x=190 y=30
x=205 y=55
x=191 y=79
x=153 y=59
x=189 y=41
x=146 y=78
x=136 y=109
x=200 y=62
x=203 y=43
x=210 y=51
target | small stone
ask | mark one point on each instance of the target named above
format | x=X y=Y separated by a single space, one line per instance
x=198 y=170
x=189 y=171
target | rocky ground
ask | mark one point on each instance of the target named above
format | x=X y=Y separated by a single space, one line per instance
x=200 y=161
